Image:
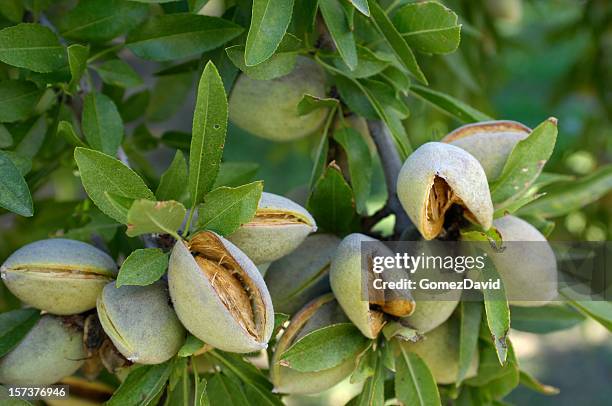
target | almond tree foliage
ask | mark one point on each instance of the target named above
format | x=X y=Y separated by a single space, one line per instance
x=88 y=93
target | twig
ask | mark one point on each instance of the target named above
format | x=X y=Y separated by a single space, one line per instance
x=391 y=164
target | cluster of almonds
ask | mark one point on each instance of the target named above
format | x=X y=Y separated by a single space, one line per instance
x=215 y=288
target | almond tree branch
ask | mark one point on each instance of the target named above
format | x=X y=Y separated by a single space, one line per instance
x=391 y=164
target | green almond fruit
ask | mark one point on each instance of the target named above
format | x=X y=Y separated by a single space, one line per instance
x=58 y=275
x=319 y=313
x=432 y=307
x=268 y=108
x=490 y=142
x=278 y=227
x=52 y=350
x=527 y=265
x=219 y=294
x=437 y=176
x=140 y=322
x=440 y=350
x=345 y=277
x=299 y=277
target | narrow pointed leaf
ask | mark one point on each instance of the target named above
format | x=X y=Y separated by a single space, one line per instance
x=31 y=46
x=101 y=20
x=173 y=183
x=14 y=326
x=14 y=193
x=225 y=209
x=101 y=173
x=341 y=33
x=396 y=41
x=414 y=382
x=102 y=125
x=174 y=36
x=269 y=22
x=147 y=216
x=525 y=162
x=471 y=314
x=449 y=105
x=17 y=100
x=208 y=135
x=77 y=62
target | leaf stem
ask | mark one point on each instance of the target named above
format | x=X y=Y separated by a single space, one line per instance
x=188 y=224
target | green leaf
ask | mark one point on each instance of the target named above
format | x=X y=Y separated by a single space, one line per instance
x=223 y=390
x=498 y=381
x=99 y=225
x=373 y=392
x=362 y=6
x=14 y=326
x=512 y=206
x=279 y=64
x=269 y=22
x=338 y=26
x=135 y=106
x=257 y=386
x=325 y=348
x=31 y=46
x=533 y=384
x=543 y=225
x=33 y=140
x=6 y=138
x=225 y=209
x=396 y=41
x=101 y=173
x=471 y=315
x=118 y=73
x=147 y=216
x=77 y=62
x=497 y=310
x=178 y=391
x=17 y=100
x=168 y=96
x=449 y=105
x=208 y=134
x=359 y=162
x=493 y=379
x=143 y=267
x=544 y=319
x=369 y=64
x=353 y=94
x=174 y=36
x=191 y=346
x=310 y=103
x=234 y=174
x=563 y=198
x=391 y=110
x=331 y=202
x=173 y=183
x=14 y=193
x=102 y=125
x=23 y=164
x=428 y=27
x=142 y=386
x=599 y=310
x=414 y=383
x=365 y=367
x=101 y=20
x=12 y=10
x=525 y=162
